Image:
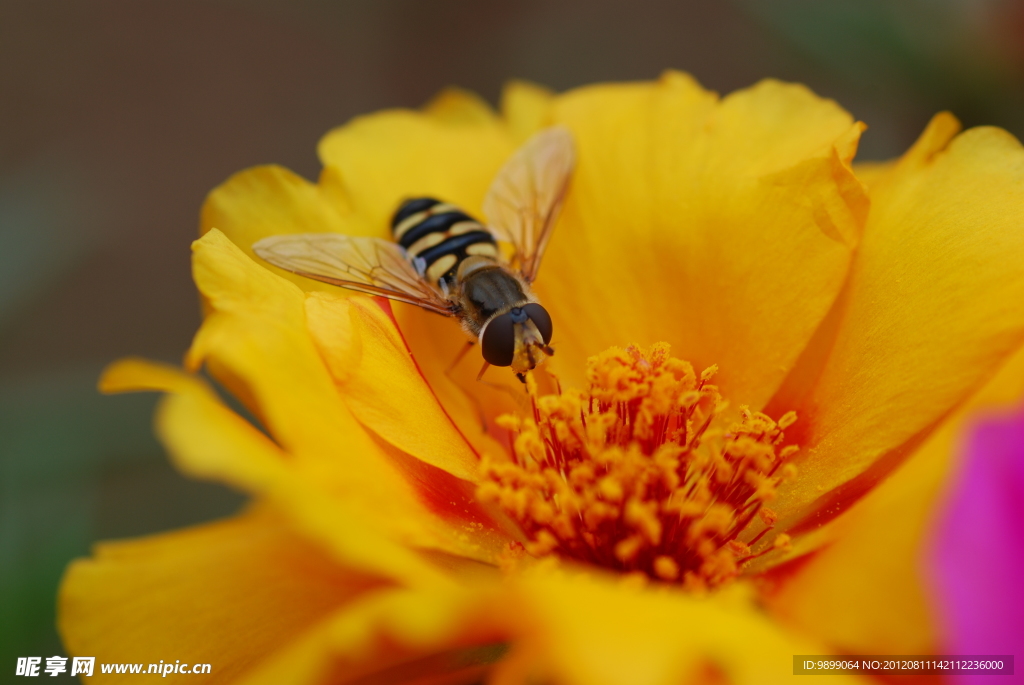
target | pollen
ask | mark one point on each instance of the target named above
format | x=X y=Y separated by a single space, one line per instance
x=646 y=472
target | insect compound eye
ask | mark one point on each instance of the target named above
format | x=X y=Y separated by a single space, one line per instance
x=541 y=319
x=499 y=341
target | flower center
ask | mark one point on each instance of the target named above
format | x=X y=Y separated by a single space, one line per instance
x=642 y=473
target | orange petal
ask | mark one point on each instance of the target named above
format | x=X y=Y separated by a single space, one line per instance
x=576 y=630
x=931 y=310
x=395 y=636
x=256 y=341
x=381 y=383
x=722 y=227
x=865 y=593
x=227 y=594
x=257 y=344
x=359 y=522
x=451 y=150
x=581 y=630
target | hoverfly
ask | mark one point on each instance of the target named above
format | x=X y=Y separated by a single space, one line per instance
x=446 y=262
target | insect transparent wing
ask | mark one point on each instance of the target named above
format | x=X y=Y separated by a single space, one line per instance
x=369 y=265
x=525 y=198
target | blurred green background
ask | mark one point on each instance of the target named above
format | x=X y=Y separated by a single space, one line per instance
x=117 y=117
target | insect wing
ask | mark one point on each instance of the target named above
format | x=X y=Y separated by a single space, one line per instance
x=368 y=265
x=525 y=198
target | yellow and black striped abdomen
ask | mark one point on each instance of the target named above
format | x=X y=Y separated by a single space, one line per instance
x=437 y=236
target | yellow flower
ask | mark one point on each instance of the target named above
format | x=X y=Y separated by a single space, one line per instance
x=402 y=532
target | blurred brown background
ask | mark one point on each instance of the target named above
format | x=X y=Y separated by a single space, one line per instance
x=118 y=116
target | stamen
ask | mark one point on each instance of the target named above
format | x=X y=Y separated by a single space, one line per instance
x=642 y=473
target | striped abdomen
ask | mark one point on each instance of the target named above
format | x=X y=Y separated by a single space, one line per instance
x=441 y=235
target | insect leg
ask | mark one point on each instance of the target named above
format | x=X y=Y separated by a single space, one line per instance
x=482 y=369
x=481 y=415
x=462 y=353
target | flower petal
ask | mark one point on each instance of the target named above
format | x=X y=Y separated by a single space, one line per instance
x=381 y=383
x=526 y=108
x=452 y=151
x=577 y=630
x=395 y=636
x=863 y=592
x=582 y=630
x=255 y=341
x=207 y=440
x=930 y=312
x=436 y=343
x=978 y=549
x=271 y=200
x=866 y=592
x=220 y=445
x=227 y=594
x=257 y=344
x=724 y=228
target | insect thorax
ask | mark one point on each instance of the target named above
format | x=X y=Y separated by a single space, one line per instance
x=438 y=236
x=487 y=291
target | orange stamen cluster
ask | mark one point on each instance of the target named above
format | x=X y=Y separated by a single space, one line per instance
x=642 y=472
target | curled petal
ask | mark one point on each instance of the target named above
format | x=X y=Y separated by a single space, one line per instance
x=383 y=386
x=722 y=227
x=256 y=341
x=930 y=312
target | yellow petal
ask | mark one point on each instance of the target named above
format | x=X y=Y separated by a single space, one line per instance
x=584 y=631
x=386 y=157
x=395 y=636
x=573 y=630
x=220 y=445
x=256 y=341
x=436 y=343
x=271 y=200
x=450 y=151
x=382 y=385
x=865 y=593
x=722 y=227
x=870 y=173
x=931 y=310
x=359 y=526
x=227 y=594
x=526 y=108
x=457 y=106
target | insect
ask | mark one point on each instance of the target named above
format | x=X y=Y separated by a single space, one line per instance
x=446 y=262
